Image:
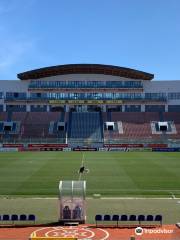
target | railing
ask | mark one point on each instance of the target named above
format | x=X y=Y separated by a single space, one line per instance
x=141 y=140
x=89 y=98
x=84 y=84
x=33 y=140
x=90 y=141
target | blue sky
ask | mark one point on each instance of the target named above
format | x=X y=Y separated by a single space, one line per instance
x=140 y=34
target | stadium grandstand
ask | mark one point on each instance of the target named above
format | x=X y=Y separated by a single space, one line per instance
x=129 y=188
x=89 y=105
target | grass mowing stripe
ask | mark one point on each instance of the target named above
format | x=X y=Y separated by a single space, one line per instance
x=46 y=209
x=38 y=173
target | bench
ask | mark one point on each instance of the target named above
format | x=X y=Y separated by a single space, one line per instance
x=12 y=218
x=127 y=218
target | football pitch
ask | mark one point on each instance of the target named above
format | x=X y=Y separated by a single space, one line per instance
x=111 y=174
x=128 y=182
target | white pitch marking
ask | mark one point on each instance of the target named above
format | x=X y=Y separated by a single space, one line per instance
x=60 y=228
x=54 y=229
x=55 y=234
x=106 y=232
x=65 y=229
x=40 y=229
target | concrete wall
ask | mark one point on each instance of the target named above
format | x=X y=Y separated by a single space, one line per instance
x=161 y=86
x=85 y=77
x=13 y=86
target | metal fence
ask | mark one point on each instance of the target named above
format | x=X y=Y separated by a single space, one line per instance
x=89 y=141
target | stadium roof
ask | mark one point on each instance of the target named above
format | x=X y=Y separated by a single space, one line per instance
x=85 y=69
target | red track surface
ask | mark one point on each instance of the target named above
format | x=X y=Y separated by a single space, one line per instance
x=171 y=232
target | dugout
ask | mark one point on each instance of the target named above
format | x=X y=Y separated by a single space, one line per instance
x=72 y=196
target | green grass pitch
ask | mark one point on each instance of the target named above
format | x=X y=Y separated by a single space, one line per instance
x=112 y=174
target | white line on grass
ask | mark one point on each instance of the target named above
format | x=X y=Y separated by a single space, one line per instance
x=144 y=190
x=134 y=198
x=101 y=198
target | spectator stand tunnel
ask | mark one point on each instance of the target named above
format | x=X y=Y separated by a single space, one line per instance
x=72 y=202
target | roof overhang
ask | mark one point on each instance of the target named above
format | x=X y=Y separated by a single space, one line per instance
x=85 y=69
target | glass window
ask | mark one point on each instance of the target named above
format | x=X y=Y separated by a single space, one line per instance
x=155 y=96
x=15 y=95
x=85 y=84
x=174 y=95
x=86 y=95
x=1 y=95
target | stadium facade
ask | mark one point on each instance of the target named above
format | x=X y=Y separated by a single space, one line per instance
x=101 y=100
